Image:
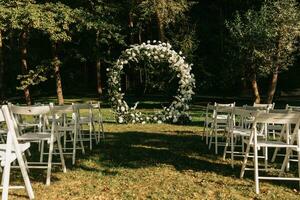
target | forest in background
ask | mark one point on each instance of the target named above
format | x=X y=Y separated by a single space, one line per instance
x=64 y=47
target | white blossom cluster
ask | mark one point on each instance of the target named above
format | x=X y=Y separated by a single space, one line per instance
x=153 y=52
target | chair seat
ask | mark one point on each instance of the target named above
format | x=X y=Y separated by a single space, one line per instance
x=65 y=128
x=3 y=131
x=274 y=127
x=84 y=120
x=241 y=131
x=35 y=136
x=279 y=144
x=222 y=117
x=274 y=144
x=24 y=124
x=23 y=147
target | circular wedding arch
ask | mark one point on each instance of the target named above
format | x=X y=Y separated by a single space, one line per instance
x=156 y=52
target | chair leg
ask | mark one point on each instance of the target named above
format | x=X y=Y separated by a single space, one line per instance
x=266 y=157
x=50 y=160
x=275 y=154
x=245 y=161
x=91 y=138
x=232 y=150
x=299 y=166
x=62 y=159
x=5 y=180
x=216 y=142
x=208 y=134
x=102 y=130
x=204 y=130
x=6 y=170
x=65 y=139
x=256 y=170
x=285 y=161
x=74 y=147
x=23 y=168
x=42 y=151
x=226 y=146
x=210 y=142
x=81 y=142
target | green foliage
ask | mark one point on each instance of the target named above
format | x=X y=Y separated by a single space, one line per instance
x=266 y=39
x=33 y=77
x=169 y=11
x=56 y=21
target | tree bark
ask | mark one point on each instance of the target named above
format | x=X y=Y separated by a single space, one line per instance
x=130 y=25
x=160 y=26
x=24 y=66
x=56 y=65
x=255 y=88
x=272 y=86
x=98 y=68
x=98 y=72
x=160 y=23
x=2 y=82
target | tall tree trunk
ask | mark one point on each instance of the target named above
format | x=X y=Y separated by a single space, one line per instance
x=130 y=25
x=2 y=82
x=272 y=86
x=255 y=88
x=98 y=68
x=56 y=65
x=24 y=66
x=160 y=26
x=160 y=21
x=98 y=72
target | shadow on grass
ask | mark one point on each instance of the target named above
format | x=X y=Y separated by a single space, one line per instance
x=184 y=151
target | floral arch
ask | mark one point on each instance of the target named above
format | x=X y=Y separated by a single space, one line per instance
x=154 y=52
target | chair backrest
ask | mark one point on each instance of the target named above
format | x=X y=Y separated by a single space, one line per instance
x=29 y=110
x=61 y=109
x=284 y=119
x=209 y=109
x=244 y=117
x=225 y=104
x=2 y=119
x=277 y=118
x=82 y=106
x=81 y=109
x=268 y=106
x=95 y=105
x=281 y=111
x=292 y=108
x=19 y=111
x=224 y=108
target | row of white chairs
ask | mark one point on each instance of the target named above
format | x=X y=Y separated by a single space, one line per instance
x=58 y=129
x=257 y=127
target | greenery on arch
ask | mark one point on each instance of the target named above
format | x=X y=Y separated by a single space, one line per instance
x=156 y=52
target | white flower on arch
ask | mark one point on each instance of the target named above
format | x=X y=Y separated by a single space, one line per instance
x=155 y=52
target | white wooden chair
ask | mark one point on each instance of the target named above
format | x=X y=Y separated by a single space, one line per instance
x=68 y=127
x=282 y=135
x=97 y=118
x=285 y=119
x=209 y=116
x=238 y=132
x=10 y=152
x=220 y=123
x=85 y=117
x=39 y=136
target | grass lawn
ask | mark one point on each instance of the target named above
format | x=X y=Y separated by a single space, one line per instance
x=153 y=161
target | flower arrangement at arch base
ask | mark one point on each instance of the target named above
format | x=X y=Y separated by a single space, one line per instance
x=156 y=52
